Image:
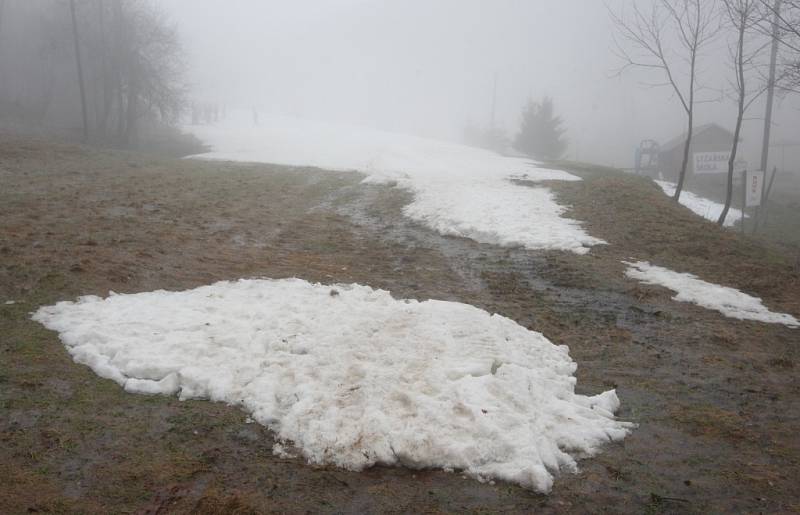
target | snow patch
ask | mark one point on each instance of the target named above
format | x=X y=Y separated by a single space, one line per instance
x=458 y=190
x=728 y=301
x=353 y=379
x=708 y=209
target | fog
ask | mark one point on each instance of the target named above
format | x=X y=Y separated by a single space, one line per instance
x=429 y=68
x=418 y=67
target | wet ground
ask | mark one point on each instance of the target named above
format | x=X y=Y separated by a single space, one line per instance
x=715 y=399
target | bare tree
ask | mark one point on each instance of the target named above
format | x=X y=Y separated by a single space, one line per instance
x=128 y=57
x=668 y=39
x=744 y=17
x=149 y=67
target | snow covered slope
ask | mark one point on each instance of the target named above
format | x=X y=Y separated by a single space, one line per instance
x=458 y=190
x=702 y=206
x=351 y=376
x=728 y=301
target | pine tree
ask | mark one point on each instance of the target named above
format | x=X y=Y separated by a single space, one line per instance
x=541 y=134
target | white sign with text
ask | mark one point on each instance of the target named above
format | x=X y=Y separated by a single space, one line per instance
x=754 y=185
x=711 y=162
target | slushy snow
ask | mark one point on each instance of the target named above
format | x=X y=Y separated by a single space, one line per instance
x=708 y=209
x=351 y=376
x=458 y=190
x=728 y=301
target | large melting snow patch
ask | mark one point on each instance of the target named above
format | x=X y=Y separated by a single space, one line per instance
x=458 y=190
x=352 y=377
x=728 y=301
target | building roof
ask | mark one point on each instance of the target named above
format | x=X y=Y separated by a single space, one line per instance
x=679 y=141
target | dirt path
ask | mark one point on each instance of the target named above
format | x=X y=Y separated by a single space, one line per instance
x=715 y=399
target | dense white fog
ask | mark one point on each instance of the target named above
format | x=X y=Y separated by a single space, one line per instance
x=429 y=68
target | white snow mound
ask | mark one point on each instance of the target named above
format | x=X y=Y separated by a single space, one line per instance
x=458 y=190
x=708 y=209
x=352 y=377
x=729 y=301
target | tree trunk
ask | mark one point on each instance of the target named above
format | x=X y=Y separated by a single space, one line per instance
x=734 y=149
x=106 y=75
x=80 y=71
x=686 y=146
x=690 y=130
x=116 y=68
x=739 y=118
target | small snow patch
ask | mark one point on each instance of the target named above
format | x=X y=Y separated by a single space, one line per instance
x=10 y=302
x=728 y=301
x=702 y=206
x=353 y=379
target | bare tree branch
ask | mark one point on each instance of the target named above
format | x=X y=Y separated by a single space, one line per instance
x=691 y=24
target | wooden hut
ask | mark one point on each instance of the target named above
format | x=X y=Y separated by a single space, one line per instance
x=708 y=155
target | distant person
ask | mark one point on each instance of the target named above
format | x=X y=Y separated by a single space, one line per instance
x=255 y=116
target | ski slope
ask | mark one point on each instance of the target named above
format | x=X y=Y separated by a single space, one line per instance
x=458 y=190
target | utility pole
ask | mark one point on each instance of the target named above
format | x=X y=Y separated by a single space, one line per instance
x=776 y=9
x=770 y=86
x=80 y=71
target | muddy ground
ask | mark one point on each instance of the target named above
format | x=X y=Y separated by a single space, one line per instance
x=715 y=398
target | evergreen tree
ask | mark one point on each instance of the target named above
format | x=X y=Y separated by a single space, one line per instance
x=541 y=134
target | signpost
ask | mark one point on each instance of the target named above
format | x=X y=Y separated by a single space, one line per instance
x=754 y=186
x=752 y=189
x=711 y=162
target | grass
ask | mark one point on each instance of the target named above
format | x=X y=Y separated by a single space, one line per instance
x=73 y=442
x=640 y=222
